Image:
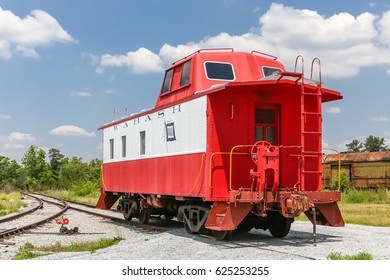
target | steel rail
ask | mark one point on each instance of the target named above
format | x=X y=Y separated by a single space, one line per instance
x=14 y=231
x=105 y=216
x=21 y=214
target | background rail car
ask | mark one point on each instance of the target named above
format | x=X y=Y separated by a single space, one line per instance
x=364 y=170
x=233 y=142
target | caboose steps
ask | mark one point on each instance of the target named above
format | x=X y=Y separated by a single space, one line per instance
x=327 y=214
x=327 y=210
x=227 y=216
x=106 y=199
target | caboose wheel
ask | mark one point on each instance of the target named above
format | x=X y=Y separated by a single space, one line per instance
x=131 y=210
x=127 y=215
x=279 y=225
x=187 y=227
x=223 y=234
x=144 y=215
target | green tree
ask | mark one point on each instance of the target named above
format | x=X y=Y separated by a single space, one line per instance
x=80 y=177
x=95 y=166
x=73 y=172
x=55 y=164
x=375 y=144
x=35 y=166
x=354 y=147
x=11 y=173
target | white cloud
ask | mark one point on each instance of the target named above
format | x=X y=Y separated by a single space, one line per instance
x=13 y=146
x=24 y=35
x=333 y=110
x=384 y=28
x=343 y=42
x=71 y=130
x=380 y=119
x=5 y=117
x=109 y=91
x=80 y=93
x=140 y=61
x=18 y=136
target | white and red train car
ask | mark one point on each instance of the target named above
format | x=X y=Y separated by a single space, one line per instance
x=233 y=142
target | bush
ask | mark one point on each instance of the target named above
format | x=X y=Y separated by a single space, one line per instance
x=85 y=188
x=345 y=183
x=379 y=196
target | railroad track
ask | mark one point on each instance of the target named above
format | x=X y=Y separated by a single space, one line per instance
x=112 y=216
x=36 y=225
x=8 y=221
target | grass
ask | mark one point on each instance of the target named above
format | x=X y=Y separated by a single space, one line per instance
x=91 y=198
x=364 y=207
x=29 y=251
x=10 y=203
x=366 y=214
x=360 y=256
x=381 y=196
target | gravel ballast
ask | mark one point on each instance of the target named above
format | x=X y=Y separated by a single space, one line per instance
x=177 y=244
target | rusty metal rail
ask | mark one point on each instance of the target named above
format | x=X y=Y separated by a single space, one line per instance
x=21 y=214
x=14 y=231
x=105 y=216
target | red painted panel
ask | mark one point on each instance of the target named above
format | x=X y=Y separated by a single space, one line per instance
x=174 y=175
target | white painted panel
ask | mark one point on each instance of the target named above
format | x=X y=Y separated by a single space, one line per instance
x=176 y=130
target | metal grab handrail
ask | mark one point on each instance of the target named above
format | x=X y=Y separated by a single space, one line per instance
x=296 y=64
x=339 y=167
x=199 y=173
x=230 y=170
x=319 y=69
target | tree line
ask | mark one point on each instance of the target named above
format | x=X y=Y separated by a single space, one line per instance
x=370 y=144
x=52 y=170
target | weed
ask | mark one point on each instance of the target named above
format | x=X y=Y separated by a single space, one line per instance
x=380 y=196
x=25 y=252
x=345 y=183
x=10 y=203
x=29 y=251
x=360 y=256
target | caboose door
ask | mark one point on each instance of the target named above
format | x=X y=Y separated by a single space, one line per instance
x=267 y=123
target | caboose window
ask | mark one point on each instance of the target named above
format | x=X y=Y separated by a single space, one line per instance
x=266 y=124
x=124 y=146
x=219 y=71
x=185 y=73
x=268 y=71
x=265 y=116
x=111 y=148
x=167 y=81
x=142 y=138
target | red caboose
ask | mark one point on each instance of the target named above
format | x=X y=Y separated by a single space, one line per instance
x=233 y=142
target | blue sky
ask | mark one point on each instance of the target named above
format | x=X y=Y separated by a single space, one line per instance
x=67 y=65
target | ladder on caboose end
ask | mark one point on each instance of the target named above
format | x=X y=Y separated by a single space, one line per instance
x=311 y=130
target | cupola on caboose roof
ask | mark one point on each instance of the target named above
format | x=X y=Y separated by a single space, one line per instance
x=209 y=67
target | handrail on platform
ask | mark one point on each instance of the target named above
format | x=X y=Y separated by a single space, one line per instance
x=339 y=165
x=230 y=165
